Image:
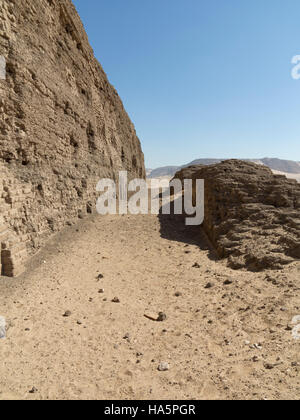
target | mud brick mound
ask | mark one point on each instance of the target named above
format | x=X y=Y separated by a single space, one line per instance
x=252 y=217
x=62 y=126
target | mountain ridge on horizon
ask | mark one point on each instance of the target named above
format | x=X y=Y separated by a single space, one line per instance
x=276 y=164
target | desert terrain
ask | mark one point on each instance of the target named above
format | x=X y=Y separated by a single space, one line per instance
x=227 y=334
x=289 y=168
x=130 y=307
x=288 y=175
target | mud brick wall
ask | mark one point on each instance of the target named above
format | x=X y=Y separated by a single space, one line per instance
x=252 y=216
x=62 y=126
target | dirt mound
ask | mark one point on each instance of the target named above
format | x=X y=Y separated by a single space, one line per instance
x=252 y=216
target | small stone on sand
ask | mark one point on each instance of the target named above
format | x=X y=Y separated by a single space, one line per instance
x=228 y=282
x=161 y=317
x=163 y=367
x=116 y=300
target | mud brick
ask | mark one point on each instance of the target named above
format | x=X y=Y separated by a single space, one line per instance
x=60 y=144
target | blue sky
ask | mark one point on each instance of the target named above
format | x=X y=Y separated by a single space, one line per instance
x=202 y=78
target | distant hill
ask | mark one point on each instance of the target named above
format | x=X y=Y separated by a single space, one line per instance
x=285 y=166
x=203 y=162
x=288 y=166
x=164 y=171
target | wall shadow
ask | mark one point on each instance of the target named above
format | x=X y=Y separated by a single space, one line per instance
x=173 y=228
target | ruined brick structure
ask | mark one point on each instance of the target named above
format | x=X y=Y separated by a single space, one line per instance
x=252 y=217
x=62 y=126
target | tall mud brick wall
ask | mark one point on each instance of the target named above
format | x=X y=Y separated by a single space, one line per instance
x=62 y=126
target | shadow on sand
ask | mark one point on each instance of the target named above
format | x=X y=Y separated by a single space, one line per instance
x=173 y=227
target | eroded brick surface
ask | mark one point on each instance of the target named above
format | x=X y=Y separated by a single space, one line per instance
x=252 y=216
x=62 y=125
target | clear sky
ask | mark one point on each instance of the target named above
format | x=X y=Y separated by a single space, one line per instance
x=202 y=78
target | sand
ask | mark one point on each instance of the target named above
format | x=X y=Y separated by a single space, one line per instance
x=220 y=341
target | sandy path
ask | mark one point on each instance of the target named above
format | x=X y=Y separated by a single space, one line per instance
x=145 y=260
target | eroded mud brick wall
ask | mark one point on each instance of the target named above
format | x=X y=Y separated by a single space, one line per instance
x=62 y=126
x=252 y=216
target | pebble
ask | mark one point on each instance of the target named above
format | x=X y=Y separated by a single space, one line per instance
x=269 y=366
x=209 y=285
x=196 y=265
x=163 y=367
x=294 y=364
x=228 y=282
x=178 y=294
x=257 y=346
x=2 y=327
x=101 y=291
x=296 y=320
x=116 y=300
x=67 y=314
x=289 y=328
x=161 y=317
x=33 y=390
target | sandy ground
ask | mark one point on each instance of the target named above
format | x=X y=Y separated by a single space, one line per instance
x=229 y=341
